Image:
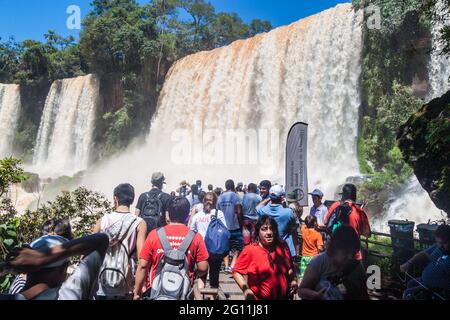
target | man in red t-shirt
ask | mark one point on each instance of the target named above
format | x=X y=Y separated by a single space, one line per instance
x=358 y=218
x=176 y=231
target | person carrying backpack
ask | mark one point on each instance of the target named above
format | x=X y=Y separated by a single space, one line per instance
x=152 y=205
x=170 y=255
x=211 y=225
x=127 y=235
x=347 y=212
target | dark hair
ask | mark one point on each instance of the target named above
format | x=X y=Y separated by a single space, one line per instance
x=267 y=220
x=229 y=185
x=201 y=196
x=349 y=192
x=124 y=194
x=179 y=209
x=443 y=232
x=266 y=183
x=194 y=189
x=63 y=228
x=310 y=221
x=252 y=188
x=346 y=239
x=214 y=204
x=210 y=187
x=218 y=192
x=47 y=227
x=199 y=183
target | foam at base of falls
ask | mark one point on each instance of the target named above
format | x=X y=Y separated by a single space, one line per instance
x=9 y=114
x=414 y=204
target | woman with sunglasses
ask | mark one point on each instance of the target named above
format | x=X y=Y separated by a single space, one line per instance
x=267 y=265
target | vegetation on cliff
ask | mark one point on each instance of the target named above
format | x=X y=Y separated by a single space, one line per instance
x=395 y=64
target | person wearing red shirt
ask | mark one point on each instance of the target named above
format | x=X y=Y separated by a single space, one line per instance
x=358 y=218
x=268 y=265
x=176 y=231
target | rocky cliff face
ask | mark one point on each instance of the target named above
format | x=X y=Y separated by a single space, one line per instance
x=425 y=142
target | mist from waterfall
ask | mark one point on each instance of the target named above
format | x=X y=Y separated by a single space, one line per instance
x=66 y=131
x=226 y=113
x=9 y=115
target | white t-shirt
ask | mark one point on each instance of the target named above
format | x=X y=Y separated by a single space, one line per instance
x=129 y=241
x=201 y=221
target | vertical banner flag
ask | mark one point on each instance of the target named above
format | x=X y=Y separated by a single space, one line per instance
x=297 y=164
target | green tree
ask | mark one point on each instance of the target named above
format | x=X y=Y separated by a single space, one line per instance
x=229 y=27
x=259 y=26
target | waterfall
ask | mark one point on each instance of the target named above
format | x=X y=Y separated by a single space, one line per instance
x=226 y=113
x=413 y=202
x=9 y=114
x=66 y=131
x=439 y=66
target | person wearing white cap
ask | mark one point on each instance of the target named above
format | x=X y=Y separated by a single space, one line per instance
x=285 y=217
x=46 y=261
x=318 y=210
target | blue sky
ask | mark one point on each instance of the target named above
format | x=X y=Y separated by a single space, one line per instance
x=30 y=19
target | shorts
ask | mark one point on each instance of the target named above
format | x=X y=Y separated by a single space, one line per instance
x=304 y=263
x=236 y=241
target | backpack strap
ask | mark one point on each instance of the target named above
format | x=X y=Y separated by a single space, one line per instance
x=163 y=239
x=187 y=241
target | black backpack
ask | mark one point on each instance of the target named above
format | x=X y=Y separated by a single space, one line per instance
x=151 y=212
x=339 y=217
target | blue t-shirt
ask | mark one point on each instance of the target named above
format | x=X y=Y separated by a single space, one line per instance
x=227 y=204
x=285 y=219
x=320 y=213
x=193 y=200
x=249 y=203
x=437 y=273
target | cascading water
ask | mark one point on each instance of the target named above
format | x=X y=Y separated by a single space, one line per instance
x=439 y=66
x=413 y=202
x=9 y=114
x=66 y=130
x=254 y=90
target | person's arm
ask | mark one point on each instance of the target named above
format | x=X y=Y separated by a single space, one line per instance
x=242 y=283
x=27 y=260
x=201 y=273
x=309 y=282
x=140 y=278
x=137 y=211
x=141 y=236
x=263 y=203
x=420 y=258
x=238 y=210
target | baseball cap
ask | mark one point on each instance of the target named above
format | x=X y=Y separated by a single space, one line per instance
x=45 y=243
x=277 y=192
x=317 y=193
x=158 y=178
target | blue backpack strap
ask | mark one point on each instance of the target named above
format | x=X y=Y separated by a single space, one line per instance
x=187 y=241
x=163 y=239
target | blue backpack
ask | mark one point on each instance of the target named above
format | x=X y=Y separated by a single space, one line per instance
x=217 y=237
